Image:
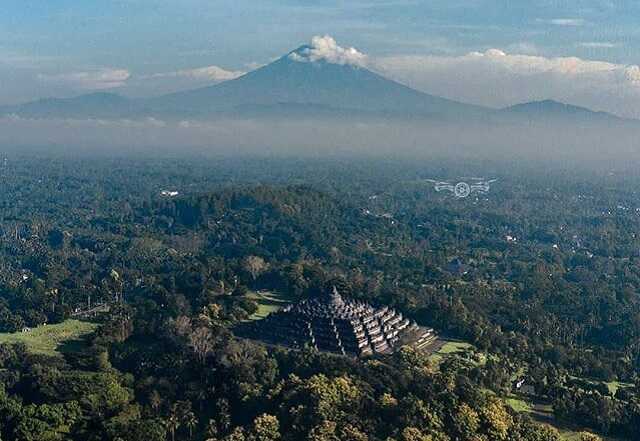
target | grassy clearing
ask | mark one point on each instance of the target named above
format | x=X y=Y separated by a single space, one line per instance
x=51 y=340
x=268 y=302
x=451 y=347
x=615 y=385
x=518 y=404
x=454 y=347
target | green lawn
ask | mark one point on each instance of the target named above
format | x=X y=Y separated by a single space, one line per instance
x=268 y=302
x=518 y=404
x=51 y=340
x=615 y=385
x=451 y=347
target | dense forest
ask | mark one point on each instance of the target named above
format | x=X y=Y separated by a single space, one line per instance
x=541 y=276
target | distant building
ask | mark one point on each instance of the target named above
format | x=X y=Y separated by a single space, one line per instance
x=169 y=193
x=522 y=387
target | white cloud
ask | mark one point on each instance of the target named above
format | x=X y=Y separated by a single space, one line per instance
x=99 y=79
x=599 y=44
x=497 y=78
x=565 y=21
x=632 y=74
x=254 y=65
x=153 y=84
x=326 y=49
x=207 y=73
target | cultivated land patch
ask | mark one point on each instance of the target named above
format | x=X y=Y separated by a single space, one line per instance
x=52 y=340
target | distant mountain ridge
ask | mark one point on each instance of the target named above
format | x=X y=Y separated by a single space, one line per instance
x=99 y=104
x=554 y=109
x=292 y=87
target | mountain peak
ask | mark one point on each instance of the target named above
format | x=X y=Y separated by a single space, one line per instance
x=301 y=50
x=319 y=79
x=326 y=49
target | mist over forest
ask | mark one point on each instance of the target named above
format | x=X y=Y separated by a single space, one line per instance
x=552 y=142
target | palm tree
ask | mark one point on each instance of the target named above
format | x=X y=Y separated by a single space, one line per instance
x=172 y=424
x=201 y=396
x=212 y=428
x=155 y=400
x=191 y=421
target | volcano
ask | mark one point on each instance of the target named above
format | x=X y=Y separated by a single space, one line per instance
x=291 y=85
x=303 y=84
x=309 y=86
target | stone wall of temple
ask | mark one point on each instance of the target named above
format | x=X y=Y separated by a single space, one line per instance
x=334 y=324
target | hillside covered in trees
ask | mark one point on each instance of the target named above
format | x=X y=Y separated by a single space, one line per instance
x=540 y=276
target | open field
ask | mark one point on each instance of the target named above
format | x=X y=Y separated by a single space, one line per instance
x=50 y=339
x=518 y=404
x=450 y=347
x=453 y=347
x=615 y=385
x=268 y=302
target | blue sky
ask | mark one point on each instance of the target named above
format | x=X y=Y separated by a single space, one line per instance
x=143 y=47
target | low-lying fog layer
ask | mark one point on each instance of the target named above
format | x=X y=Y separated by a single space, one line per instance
x=554 y=141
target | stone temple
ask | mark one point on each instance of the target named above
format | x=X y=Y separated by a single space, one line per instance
x=332 y=323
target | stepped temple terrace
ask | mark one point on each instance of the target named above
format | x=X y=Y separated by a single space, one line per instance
x=332 y=323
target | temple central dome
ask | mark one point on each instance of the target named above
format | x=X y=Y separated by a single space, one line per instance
x=335 y=324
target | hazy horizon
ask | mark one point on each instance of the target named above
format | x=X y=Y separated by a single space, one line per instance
x=523 y=54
